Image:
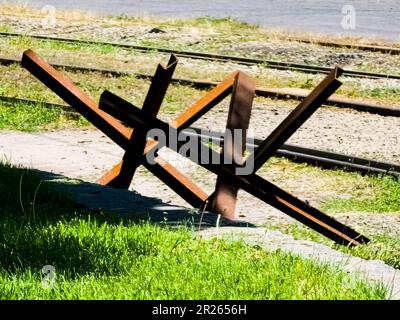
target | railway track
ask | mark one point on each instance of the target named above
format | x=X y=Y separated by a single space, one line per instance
x=365 y=47
x=292 y=152
x=361 y=47
x=280 y=65
x=295 y=153
x=283 y=94
x=324 y=159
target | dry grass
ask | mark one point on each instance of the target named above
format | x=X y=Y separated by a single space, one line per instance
x=274 y=34
x=25 y=11
x=317 y=38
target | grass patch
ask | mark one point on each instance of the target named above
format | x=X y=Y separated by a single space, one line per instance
x=5 y=28
x=385 y=197
x=220 y=23
x=337 y=190
x=23 y=42
x=31 y=117
x=98 y=257
x=93 y=83
x=385 y=92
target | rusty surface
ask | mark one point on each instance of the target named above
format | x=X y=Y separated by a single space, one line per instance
x=297 y=117
x=208 y=101
x=185 y=119
x=118 y=110
x=225 y=196
x=254 y=184
x=76 y=98
x=164 y=171
x=110 y=126
x=178 y=182
x=242 y=88
x=121 y=175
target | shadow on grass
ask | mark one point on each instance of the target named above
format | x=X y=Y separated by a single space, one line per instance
x=81 y=228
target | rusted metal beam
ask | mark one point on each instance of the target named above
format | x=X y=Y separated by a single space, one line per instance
x=113 y=128
x=76 y=98
x=185 y=119
x=303 y=212
x=297 y=117
x=243 y=88
x=121 y=175
x=144 y=120
x=224 y=199
x=178 y=182
x=225 y=196
x=253 y=184
x=206 y=103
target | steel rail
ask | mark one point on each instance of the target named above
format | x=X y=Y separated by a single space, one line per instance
x=281 y=65
x=324 y=159
x=283 y=94
x=361 y=47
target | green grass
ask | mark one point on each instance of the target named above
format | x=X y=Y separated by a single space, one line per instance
x=385 y=92
x=99 y=257
x=351 y=191
x=23 y=42
x=385 y=197
x=5 y=28
x=219 y=23
x=16 y=82
x=31 y=117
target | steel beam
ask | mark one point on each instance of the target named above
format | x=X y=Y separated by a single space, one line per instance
x=118 y=111
x=242 y=88
x=111 y=127
x=76 y=98
x=225 y=195
x=206 y=103
x=297 y=117
x=122 y=174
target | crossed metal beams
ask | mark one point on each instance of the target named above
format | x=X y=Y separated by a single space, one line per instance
x=120 y=176
x=223 y=200
x=111 y=127
x=254 y=184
